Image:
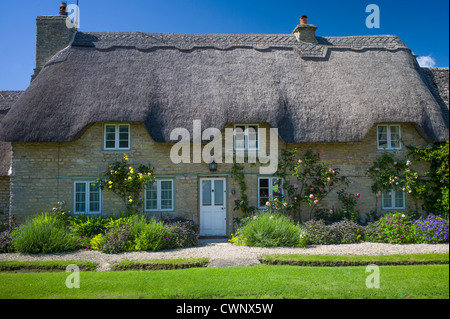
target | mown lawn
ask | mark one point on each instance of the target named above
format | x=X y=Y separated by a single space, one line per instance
x=263 y=281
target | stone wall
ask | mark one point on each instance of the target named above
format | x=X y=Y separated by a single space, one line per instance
x=52 y=35
x=4 y=197
x=44 y=173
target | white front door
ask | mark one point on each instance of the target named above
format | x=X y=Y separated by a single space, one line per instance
x=213 y=211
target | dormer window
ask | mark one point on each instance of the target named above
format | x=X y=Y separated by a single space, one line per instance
x=117 y=137
x=246 y=137
x=388 y=137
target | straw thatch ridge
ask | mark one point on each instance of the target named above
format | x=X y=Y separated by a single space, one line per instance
x=333 y=91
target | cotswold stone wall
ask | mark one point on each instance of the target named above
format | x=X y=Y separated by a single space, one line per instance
x=4 y=197
x=44 y=173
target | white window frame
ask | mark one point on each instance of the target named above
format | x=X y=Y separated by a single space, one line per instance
x=393 y=196
x=388 y=132
x=117 y=137
x=271 y=180
x=158 y=196
x=87 y=198
x=246 y=148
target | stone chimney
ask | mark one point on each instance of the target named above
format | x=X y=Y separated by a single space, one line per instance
x=305 y=32
x=52 y=35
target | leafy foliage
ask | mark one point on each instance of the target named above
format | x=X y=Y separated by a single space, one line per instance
x=127 y=182
x=314 y=180
x=270 y=230
x=436 y=188
x=42 y=234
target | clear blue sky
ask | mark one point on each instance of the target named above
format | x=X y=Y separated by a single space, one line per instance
x=422 y=25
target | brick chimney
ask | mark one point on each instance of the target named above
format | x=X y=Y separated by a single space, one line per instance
x=305 y=32
x=52 y=35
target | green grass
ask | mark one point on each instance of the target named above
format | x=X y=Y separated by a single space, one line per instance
x=161 y=264
x=360 y=260
x=38 y=266
x=263 y=281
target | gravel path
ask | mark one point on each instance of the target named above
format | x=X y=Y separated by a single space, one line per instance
x=222 y=253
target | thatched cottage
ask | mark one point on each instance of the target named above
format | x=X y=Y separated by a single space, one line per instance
x=95 y=96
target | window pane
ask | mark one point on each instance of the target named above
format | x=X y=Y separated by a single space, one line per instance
x=382 y=136
x=239 y=137
x=276 y=187
x=399 y=199
x=110 y=136
x=252 y=137
x=218 y=193
x=110 y=129
x=263 y=191
x=80 y=197
x=94 y=198
x=123 y=144
x=166 y=194
x=206 y=193
x=395 y=136
x=110 y=144
x=152 y=196
x=387 y=199
x=264 y=182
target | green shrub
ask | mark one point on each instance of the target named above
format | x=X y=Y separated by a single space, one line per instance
x=342 y=232
x=95 y=242
x=115 y=240
x=393 y=228
x=347 y=232
x=42 y=234
x=6 y=241
x=271 y=230
x=88 y=226
x=151 y=238
x=318 y=233
x=181 y=234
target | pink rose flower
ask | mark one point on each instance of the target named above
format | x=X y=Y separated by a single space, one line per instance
x=267 y=203
x=331 y=211
x=316 y=201
x=284 y=204
x=311 y=196
x=254 y=217
x=357 y=195
x=295 y=186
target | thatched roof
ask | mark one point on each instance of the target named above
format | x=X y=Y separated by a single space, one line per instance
x=438 y=81
x=332 y=91
x=7 y=99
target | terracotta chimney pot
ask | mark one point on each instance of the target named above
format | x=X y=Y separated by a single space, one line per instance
x=303 y=19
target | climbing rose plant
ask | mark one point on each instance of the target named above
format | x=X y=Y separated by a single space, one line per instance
x=391 y=173
x=127 y=181
x=313 y=181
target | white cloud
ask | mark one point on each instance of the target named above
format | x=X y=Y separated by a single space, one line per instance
x=426 y=61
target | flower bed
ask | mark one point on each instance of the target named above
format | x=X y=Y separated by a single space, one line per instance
x=48 y=233
x=266 y=230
